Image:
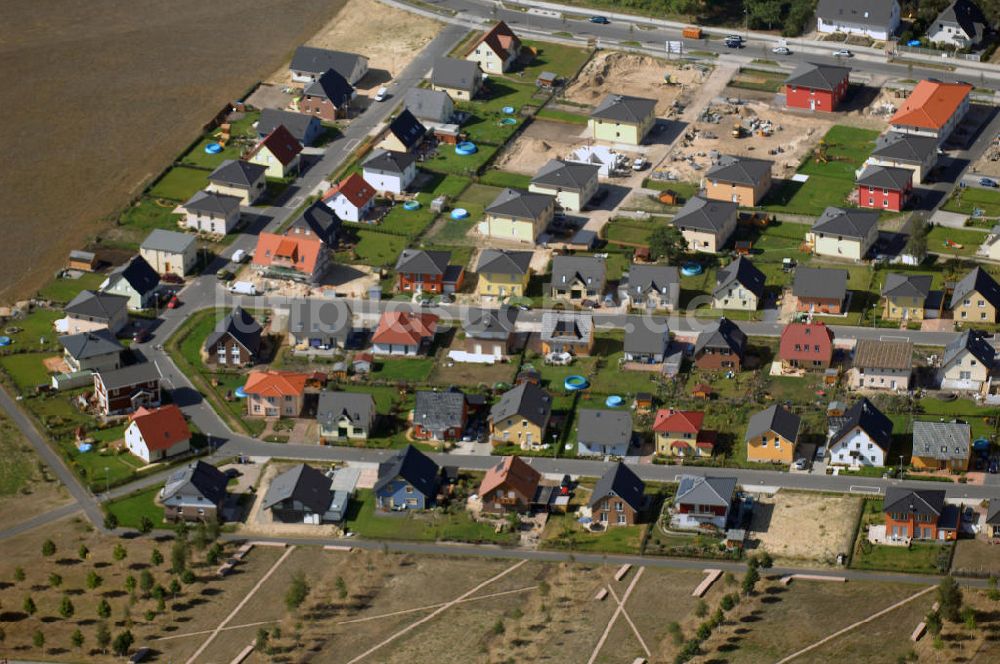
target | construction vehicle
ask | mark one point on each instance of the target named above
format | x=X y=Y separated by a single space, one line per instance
x=691 y=32
x=738 y=131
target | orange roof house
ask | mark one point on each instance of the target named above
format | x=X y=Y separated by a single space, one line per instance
x=275 y=393
x=934 y=108
x=154 y=433
x=403 y=333
x=497 y=50
x=351 y=198
x=299 y=257
x=679 y=433
x=510 y=485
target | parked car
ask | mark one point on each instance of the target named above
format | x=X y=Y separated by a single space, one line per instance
x=736 y=38
x=600 y=20
x=140 y=655
x=800 y=464
x=240 y=255
x=171 y=278
x=224 y=274
x=843 y=53
x=734 y=43
x=141 y=335
x=781 y=50
x=382 y=94
x=173 y=302
x=987 y=182
x=639 y=163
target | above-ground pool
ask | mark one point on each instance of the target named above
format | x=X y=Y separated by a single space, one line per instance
x=84 y=447
x=240 y=393
x=466 y=147
x=913 y=42
x=411 y=205
x=691 y=269
x=574 y=383
x=980 y=444
x=613 y=401
x=213 y=148
x=508 y=121
x=508 y=109
x=5 y=341
x=459 y=213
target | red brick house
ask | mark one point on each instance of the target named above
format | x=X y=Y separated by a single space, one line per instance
x=428 y=272
x=720 y=347
x=806 y=345
x=885 y=187
x=919 y=514
x=127 y=389
x=328 y=97
x=509 y=486
x=618 y=497
x=816 y=87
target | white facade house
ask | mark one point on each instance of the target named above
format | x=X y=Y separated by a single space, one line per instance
x=211 y=213
x=155 y=434
x=390 y=172
x=878 y=19
x=856 y=447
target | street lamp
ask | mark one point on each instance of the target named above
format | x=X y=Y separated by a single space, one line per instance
x=107 y=480
x=900 y=466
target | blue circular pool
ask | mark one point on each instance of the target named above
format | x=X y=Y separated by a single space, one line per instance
x=213 y=148
x=508 y=109
x=411 y=205
x=613 y=401
x=459 y=213
x=508 y=121
x=691 y=269
x=6 y=341
x=240 y=393
x=466 y=148
x=575 y=383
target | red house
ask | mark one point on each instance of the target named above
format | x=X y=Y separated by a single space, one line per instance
x=806 y=345
x=428 y=272
x=921 y=515
x=816 y=87
x=885 y=187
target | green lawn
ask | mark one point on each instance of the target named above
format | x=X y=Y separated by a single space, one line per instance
x=148 y=214
x=448 y=162
x=18 y=464
x=758 y=79
x=100 y=470
x=413 y=370
x=475 y=198
x=559 y=115
x=26 y=370
x=553 y=376
x=629 y=231
x=969 y=239
x=64 y=290
x=243 y=127
x=33 y=329
x=498 y=178
x=563 y=60
x=918 y=558
x=375 y=249
x=131 y=509
x=562 y=532
x=966 y=200
x=180 y=183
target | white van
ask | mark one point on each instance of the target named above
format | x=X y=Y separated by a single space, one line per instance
x=382 y=94
x=239 y=256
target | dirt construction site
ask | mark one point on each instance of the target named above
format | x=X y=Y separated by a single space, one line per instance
x=541 y=141
x=805 y=528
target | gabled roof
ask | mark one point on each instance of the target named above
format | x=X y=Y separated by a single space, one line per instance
x=402 y=327
x=390 y=161
x=94 y=343
x=925 y=502
x=698 y=490
x=280 y=143
x=161 y=428
x=439 y=410
x=860 y=12
x=303 y=251
x=213 y=203
x=357 y=407
x=886 y=177
x=319 y=220
x=566 y=326
x=312 y=60
x=820 y=283
x=501 y=40
x=143 y=372
x=620 y=481
x=850 y=223
x=968 y=16
x=908 y=148
x=702 y=214
x=331 y=86
x=95 y=304
x=241 y=327
x=626 y=109
x=740 y=170
x=818 y=77
x=526 y=400
x=428 y=104
x=644 y=335
x=907 y=285
x=513 y=472
x=868 y=418
x=588 y=269
x=413 y=466
x=456 y=74
x=566 y=175
x=520 y=204
x=168 y=241
x=645 y=277
x=138 y=273
x=931 y=104
x=880 y=354
x=669 y=420
x=271 y=383
x=419 y=261
x=604 y=427
x=978 y=281
x=777 y=419
x=330 y=318
x=354 y=188
x=941 y=440
x=303 y=484
x=993 y=512
x=742 y=272
x=975 y=343
x=407 y=128
x=498 y=261
x=238 y=173
x=297 y=124
x=807 y=336
x=491 y=323
x=199 y=478
x=723 y=334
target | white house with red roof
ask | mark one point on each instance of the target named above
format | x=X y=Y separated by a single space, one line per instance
x=279 y=153
x=679 y=433
x=352 y=199
x=157 y=433
x=497 y=50
x=404 y=333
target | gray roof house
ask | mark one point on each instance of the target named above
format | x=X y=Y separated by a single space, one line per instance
x=491 y=323
x=651 y=286
x=208 y=202
x=95 y=350
x=945 y=442
x=812 y=283
x=330 y=86
x=303 y=127
x=973 y=341
x=439 y=415
x=706 y=224
x=419 y=261
x=194 y=493
x=961 y=24
x=520 y=204
x=705 y=498
x=603 y=432
x=389 y=161
x=320 y=324
x=723 y=335
x=886 y=177
x=878 y=20
x=572 y=183
x=578 y=277
x=301 y=494
x=620 y=481
x=172 y=242
x=238 y=173
x=97 y=308
x=907 y=285
x=410 y=473
x=775 y=419
x=646 y=340
x=567 y=332
x=817 y=76
x=624 y=108
x=344 y=415
x=525 y=401
x=740 y=274
x=498 y=261
x=406 y=129
x=918 y=153
x=848 y=222
x=136 y=280
x=457 y=75
x=740 y=170
x=309 y=63
x=242 y=329
x=320 y=221
x=431 y=105
x=976 y=281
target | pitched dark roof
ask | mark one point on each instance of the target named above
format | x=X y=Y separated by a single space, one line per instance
x=456 y=74
x=819 y=282
x=642 y=335
x=942 y=440
x=237 y=173
x=644 y=277
x=94 y=343
x=702 y=214
x=907 y=285
x=619 y=481
x=439 y=410
x=862 y=12
x=413 y=466
x=852 y=223
x=926 y=502
x=623 y=108
x=390 y=161
x=491 y=323
x=418 y=261
x=740 y=170
x=312 y=60
x=908 y=148
x=979 y=281
x=138 y=273
x=199 y=478
x=566 y=326
x=966 y=15
x=604 y=427
x=241 y=326
x=407 y=128
x=358 y=407
x=213 y=203
x=520 y=204
x=993 y=513
x=723 y=334
x=330 y=318
x=321 y=221
x=526 y=400
x=567 y=175
x=698 y=490
x=279 y=143
x=588 y=269
x=777 y=419
x=427 y=104
x=95 y=304
x=973 y=341
x=886 y=177
x=160 y=239
x=817 y=77
x=297 y=124
x=870 y=419
x=331 y=86
x=742 y=272
x=303 y=484
x=143 y=372
x=496 y=261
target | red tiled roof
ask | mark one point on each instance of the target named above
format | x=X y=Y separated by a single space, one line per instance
x=355 y=189
x=161 y=428
x=402 y=327
x=678 y=421
x=303 y=250
x=280 y=143
x=513 y=471
x=276 y=383
x=931 y=104
x=807 y=336
x=501 y=39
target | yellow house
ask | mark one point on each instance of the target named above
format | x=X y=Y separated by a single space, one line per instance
x=772 y=435
x=740 y=180
x=622 y=119
x=521 y=416
x=461 y=79
x=503 y=273
x=518 y=215
x=976 y=298
x=572 y=183
x=844 y=233
x=706 y=225
x=345 y=415
x=278 y=152
x=904 y=296
x=678 y=434
x=941 y=446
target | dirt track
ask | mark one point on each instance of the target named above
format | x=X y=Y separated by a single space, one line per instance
x=614 y=72
x=805 y=527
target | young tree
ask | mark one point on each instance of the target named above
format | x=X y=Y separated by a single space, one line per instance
x=130 y=584
x=188 y=577
x=298 y=590
x=77 y=639
x=766 y=561
x=950 y=599
x=180 y=553
x=55 y=580
x=103 y=636
x=19 y=574
x=750 y=580
x=262 y=639
x=119 y=553
x=969 y=617
x=933 y=622
x=110 y=521
x=145 y=525
x=38 y=639
x=993 y=593
x=94 y=580
x=156 y=558
x=676 y=634
x=66 y=608
x=104 y=609
x=159 y=592
x=666 y=242
x=341 y=587
x=200 y=537
x=214 y=554
x=48 y=548
x=175 y=588
x=29 y=606
x=123 y=643
x=146 y=581
x=701 y=609
x=83 y=552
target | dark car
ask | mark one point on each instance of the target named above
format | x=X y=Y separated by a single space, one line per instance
x=224 y=274
x=734 y=43
x=141 y=335
x=987 y=182
x=140 y=655
x=602 y=20
x=994 y=467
